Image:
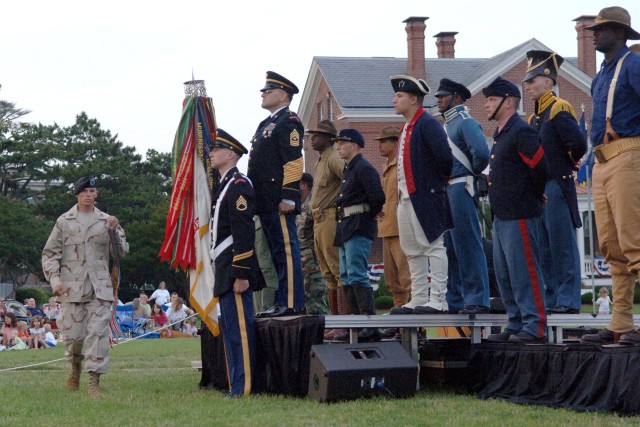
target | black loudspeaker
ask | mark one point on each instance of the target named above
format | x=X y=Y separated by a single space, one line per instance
x=350 y=371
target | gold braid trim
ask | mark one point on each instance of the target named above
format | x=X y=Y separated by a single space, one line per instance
x=242 y=256
x=292 y=171
x=562 y=105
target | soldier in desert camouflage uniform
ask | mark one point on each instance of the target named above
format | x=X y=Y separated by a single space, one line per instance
x=75 y=261
x=315 y=288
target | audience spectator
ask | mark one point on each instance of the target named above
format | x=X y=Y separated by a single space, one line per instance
x=10 y=325
x=37 y=333
x=49 y=337
x=144 y=305
x=190 y=326
x=1 y=307
x=23 y=333
x=174 y=296
x=604 y=302
x=16 y=343
x=33 y=309
x=52 y=310
x=161 y=295
x=177 y=312
x=159 y=317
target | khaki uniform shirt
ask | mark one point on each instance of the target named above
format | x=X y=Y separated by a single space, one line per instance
x=77 y=256
x=388 y=223
x=326 y=182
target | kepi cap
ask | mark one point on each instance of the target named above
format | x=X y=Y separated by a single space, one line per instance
x=84 y=182
x=224 y=140
x=409 y=84
x=388 y=132
x=617 y=16
x=449 y=87
x=326 y=127
x=276 y=81
x=351 y=135
x=542 y=63
x=501 y=87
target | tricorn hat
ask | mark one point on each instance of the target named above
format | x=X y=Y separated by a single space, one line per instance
x=324 y=126
x=616 y=16
x=276 y=81
x=410 y=85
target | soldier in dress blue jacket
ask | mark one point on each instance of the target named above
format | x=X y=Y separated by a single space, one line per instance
x=237 y=272
x=359 y=202
x=275 y=168
x=468 y=276
x=517 y=178
x=564 y=145
x=424 y=168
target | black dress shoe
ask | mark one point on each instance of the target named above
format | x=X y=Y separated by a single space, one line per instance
x=369 y=335
x=277 y=311
x=401 y=310
x=428 y=310
x=523 y=337
x=390 y=333
x=630 y=338
x=561 y=309
x=502 y=336
x=474 y=309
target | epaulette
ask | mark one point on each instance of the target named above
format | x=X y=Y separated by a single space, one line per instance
x=531 y=118
x=562 y=105
x=464 y=114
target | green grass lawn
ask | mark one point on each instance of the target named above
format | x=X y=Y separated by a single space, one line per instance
x=151 y=383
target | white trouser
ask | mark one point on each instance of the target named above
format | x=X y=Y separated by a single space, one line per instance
x=422 y=255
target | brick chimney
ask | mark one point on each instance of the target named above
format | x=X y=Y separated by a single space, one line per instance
x=586 y=49
x=415 y=43
x=445 y=42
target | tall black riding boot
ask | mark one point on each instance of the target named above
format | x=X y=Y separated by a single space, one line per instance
x=367 y=305
x=350 y=293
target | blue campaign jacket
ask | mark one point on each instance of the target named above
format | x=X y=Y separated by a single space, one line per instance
x=466 y=133
x=427 y=170
x=564 y=145
x=517 y=171
x=275 y=161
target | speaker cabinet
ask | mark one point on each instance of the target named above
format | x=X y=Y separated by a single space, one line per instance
x=350 y=371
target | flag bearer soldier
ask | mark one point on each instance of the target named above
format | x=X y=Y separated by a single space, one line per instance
x=237 y=272
x=275 y=169
x=468 y=290
x=517 y=178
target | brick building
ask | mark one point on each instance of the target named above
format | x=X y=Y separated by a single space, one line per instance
x=356 y=92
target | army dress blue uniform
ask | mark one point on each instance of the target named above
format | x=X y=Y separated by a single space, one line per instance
x=517 y=178
x=237 y=260
x=468 y=284
x=275 y=169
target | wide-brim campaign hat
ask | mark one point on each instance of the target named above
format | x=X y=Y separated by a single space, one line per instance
x=388 y=132
x=501 y=87
x=84 y=182
x=614 y=15
x=449 y=87
x=324 y=126
x=224 y=140
x=351 y=135
x=409 y=84
x=276 y=81
x=542 y=63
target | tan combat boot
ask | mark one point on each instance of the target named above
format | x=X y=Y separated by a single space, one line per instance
x=94 y=384
x=73 y=382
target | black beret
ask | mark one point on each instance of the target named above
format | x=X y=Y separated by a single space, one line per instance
x=276 y=81
x=501 y=87
x=542 y=63
x=449 y=87
x=224 y=140
x=84 y=182
x=409 y=84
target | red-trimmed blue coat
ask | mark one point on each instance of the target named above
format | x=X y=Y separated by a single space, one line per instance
x=517 y=171
x=427 y=167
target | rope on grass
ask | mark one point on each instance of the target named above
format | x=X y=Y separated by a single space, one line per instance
x=15 y=368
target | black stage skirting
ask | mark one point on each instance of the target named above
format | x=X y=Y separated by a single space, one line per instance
x=573 y=376
x=284 y=347
x=283 y=355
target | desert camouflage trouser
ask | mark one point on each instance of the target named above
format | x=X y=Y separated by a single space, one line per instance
x=85 y=329
x=315 y=288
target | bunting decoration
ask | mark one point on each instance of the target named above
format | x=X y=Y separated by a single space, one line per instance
x=187 y=240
